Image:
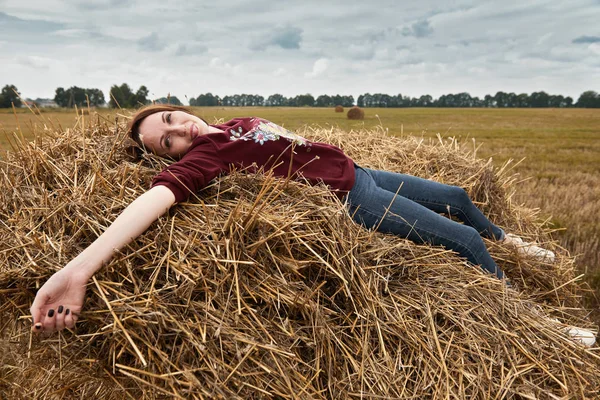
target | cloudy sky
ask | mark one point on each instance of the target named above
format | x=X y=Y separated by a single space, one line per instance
x=295 y=47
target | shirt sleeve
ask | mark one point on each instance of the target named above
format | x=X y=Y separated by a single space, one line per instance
x=192 y=173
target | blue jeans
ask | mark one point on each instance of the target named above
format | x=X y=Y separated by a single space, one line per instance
x=413 y=213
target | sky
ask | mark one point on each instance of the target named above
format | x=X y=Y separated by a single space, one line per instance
x=319 y=47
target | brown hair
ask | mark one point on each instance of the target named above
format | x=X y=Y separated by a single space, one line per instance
x=133 y=127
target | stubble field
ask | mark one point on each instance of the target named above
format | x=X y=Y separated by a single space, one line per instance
x=556 y=153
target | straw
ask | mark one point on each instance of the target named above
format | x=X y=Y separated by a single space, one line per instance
x=265 y=288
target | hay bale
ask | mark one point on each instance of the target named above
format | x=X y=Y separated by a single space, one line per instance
x=356 y=113
x=264 y=289
x=339 y=109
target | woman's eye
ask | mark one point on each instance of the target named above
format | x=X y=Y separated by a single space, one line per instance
x=169 y=118
x=168 y=141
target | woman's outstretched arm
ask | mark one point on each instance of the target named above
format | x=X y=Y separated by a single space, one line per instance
x=59 y=302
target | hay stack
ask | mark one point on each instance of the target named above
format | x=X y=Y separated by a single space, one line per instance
x=356 y=113
x=263 y=290
x=339 y=109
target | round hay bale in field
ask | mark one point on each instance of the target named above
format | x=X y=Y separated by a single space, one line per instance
x=356 y=113
x=339 y=109
x=261 y=288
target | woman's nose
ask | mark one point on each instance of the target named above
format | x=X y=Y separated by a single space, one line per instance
x=179 y=130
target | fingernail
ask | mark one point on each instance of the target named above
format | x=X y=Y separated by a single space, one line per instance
x=67 y=312
x=51 y=313
x=60 y=309
x=38 y=326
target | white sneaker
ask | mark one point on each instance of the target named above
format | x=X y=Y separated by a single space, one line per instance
x=529 y=249
x=582 y=336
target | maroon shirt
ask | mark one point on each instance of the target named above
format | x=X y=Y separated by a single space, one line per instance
x=255 y=143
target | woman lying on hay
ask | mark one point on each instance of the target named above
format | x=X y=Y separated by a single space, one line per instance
x=389 y=202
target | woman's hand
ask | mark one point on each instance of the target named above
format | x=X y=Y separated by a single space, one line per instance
x=58 y=303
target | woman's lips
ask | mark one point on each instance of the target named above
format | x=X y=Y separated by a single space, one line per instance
x=193 y=131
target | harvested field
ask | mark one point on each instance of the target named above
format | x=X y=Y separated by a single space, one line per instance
x=265 y=288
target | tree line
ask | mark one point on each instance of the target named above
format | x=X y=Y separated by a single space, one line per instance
x=275 y=100
x=76 y=96
x=499 y=100
x=588 y=99
x=123 y=96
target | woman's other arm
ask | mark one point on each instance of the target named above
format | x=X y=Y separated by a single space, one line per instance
x=59 y=301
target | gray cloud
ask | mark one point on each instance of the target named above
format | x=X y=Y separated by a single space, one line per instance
x=151 y=43
x=190 y=49
x=361 y=51
x=18 y=26
x=419 y=29
x=430 y=46
x=36 y=32
x=288 y=37
x=587 y=39
x=101 y=4
x=38 y=63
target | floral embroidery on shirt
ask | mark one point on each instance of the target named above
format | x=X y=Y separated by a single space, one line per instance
x=267 y=131
x=279 y=131
x=262 y=136
x=235 y=135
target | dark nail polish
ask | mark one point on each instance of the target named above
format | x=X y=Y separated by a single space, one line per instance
x=51 y=313
x=60 y=309
x=38 y=327
x=67 y=312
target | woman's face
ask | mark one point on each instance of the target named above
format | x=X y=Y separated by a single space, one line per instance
x=170 y=133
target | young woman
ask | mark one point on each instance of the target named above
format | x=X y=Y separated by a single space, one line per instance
x=395 y=203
